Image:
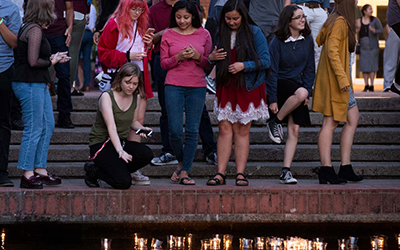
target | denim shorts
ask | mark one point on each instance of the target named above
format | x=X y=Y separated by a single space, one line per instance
x=352 y=100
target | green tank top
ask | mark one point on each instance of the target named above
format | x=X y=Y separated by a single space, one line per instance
x=122 y=119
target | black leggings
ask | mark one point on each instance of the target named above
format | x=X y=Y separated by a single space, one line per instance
x=115 y=171
x=396 y=29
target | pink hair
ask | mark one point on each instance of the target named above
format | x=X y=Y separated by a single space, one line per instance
x=124 y=21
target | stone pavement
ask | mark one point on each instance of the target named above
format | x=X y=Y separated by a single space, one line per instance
x=264 y=201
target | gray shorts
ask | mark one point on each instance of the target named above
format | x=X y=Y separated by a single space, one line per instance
x=352 y=100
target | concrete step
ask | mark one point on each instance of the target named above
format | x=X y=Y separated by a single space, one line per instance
x=258 y=135
x=153 y=119
x=306 y=153
x=302 y=170
x=382 y=103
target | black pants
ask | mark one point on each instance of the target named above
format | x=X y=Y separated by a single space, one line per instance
x=115 y=171
x=396 y=29
x=6 y=94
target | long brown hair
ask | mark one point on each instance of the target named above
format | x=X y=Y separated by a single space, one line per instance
x=40 y=12
x=346 y=9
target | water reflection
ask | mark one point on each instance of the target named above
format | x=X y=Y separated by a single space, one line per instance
x=3 y=238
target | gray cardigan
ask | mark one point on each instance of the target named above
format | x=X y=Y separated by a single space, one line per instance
x=373 y=37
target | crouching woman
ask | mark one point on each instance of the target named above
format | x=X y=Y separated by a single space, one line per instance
x=114 y=156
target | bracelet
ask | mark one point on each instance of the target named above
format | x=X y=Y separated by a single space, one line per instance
x=210 y=62
x=2 y=20
x=128 y=56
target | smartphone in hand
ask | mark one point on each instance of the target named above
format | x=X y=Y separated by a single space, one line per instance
x=144 y=131
x=150 y=30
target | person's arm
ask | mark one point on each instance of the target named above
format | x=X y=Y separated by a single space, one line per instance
x=272 y=81
x=136 y=124
x=108 y=54
x=378 y=26
x=262 y=51
x=398 y=2
x=69 y=18
x=34 y=38
x=105 y=106
x=309 y=70
x=337 y=36
x=202 y=59
x=287 y=2
x=9 y=28
x=168 y=61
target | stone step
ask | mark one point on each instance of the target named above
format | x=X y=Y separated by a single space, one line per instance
x=383 y=103
x=373 y=153
x=254 y=170
x=153 y=119
x=258 y=135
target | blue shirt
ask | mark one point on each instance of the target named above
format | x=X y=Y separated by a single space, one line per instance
x=324 y=3
x=10 y=13
x=292 y=60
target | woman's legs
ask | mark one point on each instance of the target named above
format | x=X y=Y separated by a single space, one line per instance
x=325 y=140
x=291 y=142
x=242 y=144
x=31 y=96
x=347 y=135
x=366 y=77
x=47 y=132
x=372 y=78
x=299 y=96
x=141 y=155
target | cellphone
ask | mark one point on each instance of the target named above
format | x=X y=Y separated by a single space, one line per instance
x=150 y=30
x=144 y=131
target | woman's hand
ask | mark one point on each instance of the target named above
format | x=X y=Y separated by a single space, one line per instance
x=274 y=107
x=135 y=56
x=96 y=37
x=306 y=102
x=125 y=156
x=372 y=29
x=184 y=54
x=59 y=57
x=195 y=54
x=346 y=89
x=217 y=54
x=148 y=39
x=143 y=134
x=236 y=67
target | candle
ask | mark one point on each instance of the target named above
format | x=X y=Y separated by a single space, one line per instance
x=105 y=244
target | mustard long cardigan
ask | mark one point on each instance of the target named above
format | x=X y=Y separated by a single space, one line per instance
x=333 y=72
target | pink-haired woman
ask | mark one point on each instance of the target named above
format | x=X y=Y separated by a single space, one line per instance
x=126 y=38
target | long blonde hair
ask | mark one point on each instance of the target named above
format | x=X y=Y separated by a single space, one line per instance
x=346 y=9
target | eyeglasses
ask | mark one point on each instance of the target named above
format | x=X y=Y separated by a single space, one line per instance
x=139 y=10
x=299 y=17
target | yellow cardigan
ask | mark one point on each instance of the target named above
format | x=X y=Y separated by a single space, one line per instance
x=333 y=72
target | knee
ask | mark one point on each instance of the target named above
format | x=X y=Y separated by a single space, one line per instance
x=294 y=131
x=147 y=155
x=302 y=94
x=225 y=130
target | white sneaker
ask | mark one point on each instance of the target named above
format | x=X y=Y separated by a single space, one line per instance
x=139 y=179
x=211 y=84
x=164 y=159
x=287 y=178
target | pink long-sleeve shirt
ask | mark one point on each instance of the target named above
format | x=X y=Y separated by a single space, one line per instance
x=189 y=72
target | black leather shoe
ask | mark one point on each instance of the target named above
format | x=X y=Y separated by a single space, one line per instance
x=64 y=121
x=371 y=88
x=366 y=88
x=91 y=178
x=394 y=89
x=346 y=172
x=49 y=179
x=31 y=183
x=327 y=175
x=6 y=182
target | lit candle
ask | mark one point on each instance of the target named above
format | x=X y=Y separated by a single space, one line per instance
x=105 y=244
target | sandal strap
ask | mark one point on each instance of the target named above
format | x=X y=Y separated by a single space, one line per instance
x=223 y=176
x=240 y=174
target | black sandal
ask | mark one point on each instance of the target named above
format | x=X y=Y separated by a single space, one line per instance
x=241 y=180
x=185 y=181
x=215 y=181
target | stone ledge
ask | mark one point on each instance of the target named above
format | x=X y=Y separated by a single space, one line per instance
x=264 y=201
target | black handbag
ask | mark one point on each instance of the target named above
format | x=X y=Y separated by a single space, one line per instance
x=358 y=47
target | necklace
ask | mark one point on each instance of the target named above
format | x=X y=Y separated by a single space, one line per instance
x=294 y=44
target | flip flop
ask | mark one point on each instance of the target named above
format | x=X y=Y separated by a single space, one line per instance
x=185 y=181
x=175 y=176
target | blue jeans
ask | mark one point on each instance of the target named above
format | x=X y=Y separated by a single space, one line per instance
x=206 y=132
x=86 y=51
x=191 y=100
x=37 y=112
x=64 y=103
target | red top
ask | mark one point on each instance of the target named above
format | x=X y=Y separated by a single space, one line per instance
x=186 y=73
x=60 y=24
x=110 y=57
